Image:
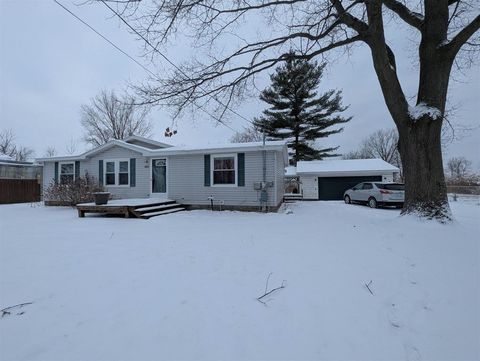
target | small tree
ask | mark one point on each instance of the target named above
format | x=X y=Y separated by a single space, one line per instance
x=8 y=147
x=110 y=117
x=71 y=146
x=458 y=167
x=7 y=143
x=381 y=144
x=23 y=154
x=51 y=152
x=298 y=113
x=248 y=135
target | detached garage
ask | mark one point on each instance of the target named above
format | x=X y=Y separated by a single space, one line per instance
x=328 y=179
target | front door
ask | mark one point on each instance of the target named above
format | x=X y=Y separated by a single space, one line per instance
x=159 y=177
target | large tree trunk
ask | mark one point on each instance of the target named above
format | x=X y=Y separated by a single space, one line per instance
x=419 y=128
x=421 y=153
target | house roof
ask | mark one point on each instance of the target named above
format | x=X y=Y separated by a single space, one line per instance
x=220 y=147
x=177 y=150
x=4 y=157
x=149 y=141
x=109 y=144
x=345 y=167
x=290 y=171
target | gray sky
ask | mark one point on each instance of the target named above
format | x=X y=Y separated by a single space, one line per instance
x=51 y=64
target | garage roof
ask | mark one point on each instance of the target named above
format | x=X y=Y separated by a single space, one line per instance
x=345 y=167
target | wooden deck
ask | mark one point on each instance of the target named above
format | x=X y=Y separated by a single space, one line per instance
x=136 y=208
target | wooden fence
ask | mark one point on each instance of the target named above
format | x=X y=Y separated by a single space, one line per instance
x=463 y=189
x=19 y=191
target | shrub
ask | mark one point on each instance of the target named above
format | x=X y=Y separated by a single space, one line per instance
x=70 y=194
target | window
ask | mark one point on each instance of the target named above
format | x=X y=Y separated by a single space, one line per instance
x=391 y=186
x=110 y=173
x=367 y=186
x=117 y=172
x=123 y=173
x=223 y=169
x=358 y=186
x=67 y=173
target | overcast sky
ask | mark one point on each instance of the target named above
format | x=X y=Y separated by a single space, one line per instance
x=51 y=64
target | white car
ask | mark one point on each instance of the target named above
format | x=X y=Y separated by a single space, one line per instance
x=376 y=194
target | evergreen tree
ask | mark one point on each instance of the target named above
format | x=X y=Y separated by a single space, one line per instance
x=298 y=113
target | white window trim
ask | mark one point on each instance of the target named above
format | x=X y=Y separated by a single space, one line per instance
x=212 y=159
x=60 y=171
x=117 y=172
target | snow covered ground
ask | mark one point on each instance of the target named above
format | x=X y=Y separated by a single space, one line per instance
x=184 y=286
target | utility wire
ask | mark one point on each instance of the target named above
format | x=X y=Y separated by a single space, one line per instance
x=169 y=61
x=136 y=61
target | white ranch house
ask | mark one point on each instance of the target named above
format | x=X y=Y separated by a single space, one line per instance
x=236 y=176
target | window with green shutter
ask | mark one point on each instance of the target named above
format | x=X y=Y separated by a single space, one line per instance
x=206 y=170
x=241 y=169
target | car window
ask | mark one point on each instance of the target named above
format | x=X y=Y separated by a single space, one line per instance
x=367 y=186
x=358 y=186
x=391 y=186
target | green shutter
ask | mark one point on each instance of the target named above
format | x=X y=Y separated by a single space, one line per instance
x=206 y=173
x=56 y=172
x=132 y=172
x=241 y=169
x=100 y=172
x=77 y=169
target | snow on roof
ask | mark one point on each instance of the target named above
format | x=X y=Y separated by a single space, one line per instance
x=133 y=138
x=345 y=166
x=220 y=146
x=6 y=157
x=290 y=171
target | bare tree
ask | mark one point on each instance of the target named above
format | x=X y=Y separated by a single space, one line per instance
x=51 y=152
x=110 y=117
x=248 y=135
x=458 y=167
x=314 y=28
x=7 y=143
x=71 y=146
x=356 y=154
x=8 y=147
x=381 y=144
x=23 y=154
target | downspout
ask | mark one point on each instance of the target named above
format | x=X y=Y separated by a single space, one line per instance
x=264 y=193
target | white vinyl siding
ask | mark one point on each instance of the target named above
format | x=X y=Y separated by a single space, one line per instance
x=142 y=171
x=186 y=181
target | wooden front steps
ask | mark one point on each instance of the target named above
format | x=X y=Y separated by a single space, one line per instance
x=137 y=208
x=292 y=197
x=157 y=209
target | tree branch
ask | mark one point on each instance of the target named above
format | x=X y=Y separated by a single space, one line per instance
x=452 y=47
x=411 y=18
x=348 y=19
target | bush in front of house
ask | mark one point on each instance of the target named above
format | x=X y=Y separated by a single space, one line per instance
x=70 y=194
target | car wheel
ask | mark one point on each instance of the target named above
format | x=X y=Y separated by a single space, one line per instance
x=347 y=200
x=372 y=202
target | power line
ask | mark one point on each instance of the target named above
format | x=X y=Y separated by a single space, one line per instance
x=102 y=36
x=136 y=61
x=169 y=61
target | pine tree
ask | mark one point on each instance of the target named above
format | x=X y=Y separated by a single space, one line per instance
x=298 y=113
